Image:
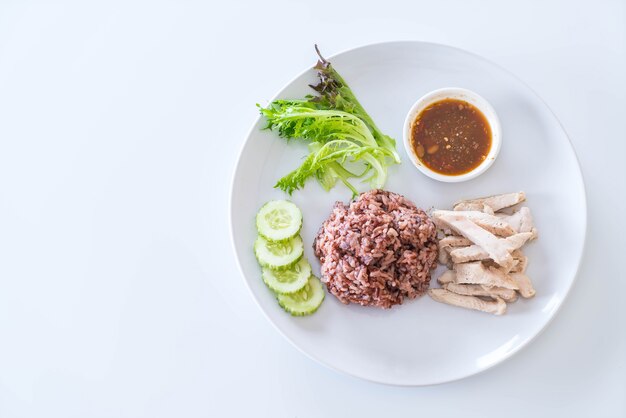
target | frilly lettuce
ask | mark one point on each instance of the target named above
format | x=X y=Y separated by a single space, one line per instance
x=339 y=131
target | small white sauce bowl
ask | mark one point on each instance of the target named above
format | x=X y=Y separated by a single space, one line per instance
x=459 y=94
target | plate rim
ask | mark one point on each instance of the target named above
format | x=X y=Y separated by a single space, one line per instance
x=511 y=353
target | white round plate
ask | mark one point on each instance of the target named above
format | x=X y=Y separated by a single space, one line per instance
x=423 y=342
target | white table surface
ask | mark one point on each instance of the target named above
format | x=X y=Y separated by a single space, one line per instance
x=120 y=123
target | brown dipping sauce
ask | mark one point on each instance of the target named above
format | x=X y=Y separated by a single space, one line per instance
x=451 y=137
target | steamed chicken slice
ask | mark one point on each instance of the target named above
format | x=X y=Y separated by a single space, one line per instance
x=522 y=262
x=494 y=203
x=470 y=253
x=477 y=273
x=491 y=223
x=446 y=243
x=476 y=252
x=454 y=241
x=515 y=242
x=487 y=209
x=508 y=295
x=494 y=246
x=448 y=277
x=526 y=289
x=497 y=307
x=520 y=221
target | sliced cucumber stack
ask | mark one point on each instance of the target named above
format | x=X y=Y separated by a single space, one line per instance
x=290 y=280
x=279 y=250
x=306 y=300
x=279 y=220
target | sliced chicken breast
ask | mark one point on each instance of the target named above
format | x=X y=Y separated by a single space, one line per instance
x=508 y=295
x=480 y=242
x=475 y=252
x=491 y=223
x=446 y=243
x=449 y=276
x=522 y=262
x=477 y=273
x=496 y=307
x=520 y=221
x=495 y=203
x=495 y=247
x=454 y=241
x=466 y=254
x=524 y=284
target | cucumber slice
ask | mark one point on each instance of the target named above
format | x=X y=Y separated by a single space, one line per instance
x=279 y=220
x=290 y=280
x=306 y=300
x=278 y=255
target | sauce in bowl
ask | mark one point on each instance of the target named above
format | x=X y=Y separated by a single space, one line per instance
x=451 y=137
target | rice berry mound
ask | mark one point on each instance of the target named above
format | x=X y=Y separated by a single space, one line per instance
x=377 y=250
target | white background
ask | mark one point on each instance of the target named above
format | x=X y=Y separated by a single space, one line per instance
x=120 y=124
